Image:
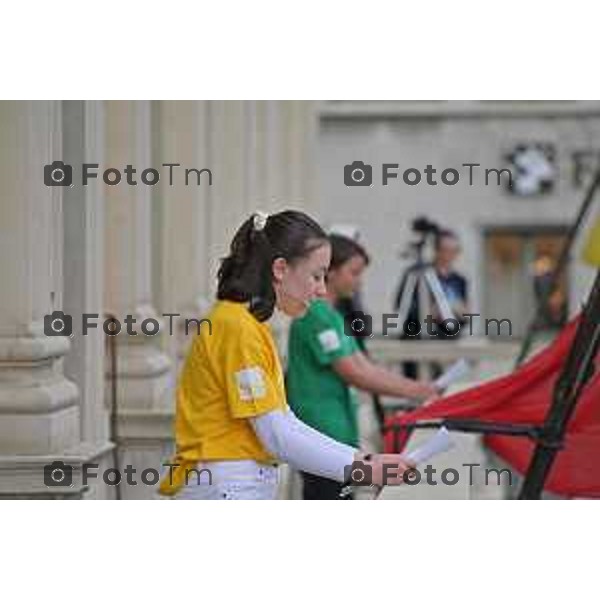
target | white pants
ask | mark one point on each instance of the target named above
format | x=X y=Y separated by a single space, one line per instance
x=231 y=480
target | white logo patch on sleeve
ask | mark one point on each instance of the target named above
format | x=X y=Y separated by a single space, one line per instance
x=329 y=340
x=251 y=383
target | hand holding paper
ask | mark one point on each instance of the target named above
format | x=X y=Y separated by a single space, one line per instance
x=440 y=442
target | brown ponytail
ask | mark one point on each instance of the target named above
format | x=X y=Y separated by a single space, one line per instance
x=246 y=274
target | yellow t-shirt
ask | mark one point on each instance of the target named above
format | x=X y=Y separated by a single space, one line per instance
x=228 y=376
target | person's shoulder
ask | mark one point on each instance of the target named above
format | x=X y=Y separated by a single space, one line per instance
x=322 y=310
x=322 y=315
x=459 y=277
x=318 y=314
x=232 y=317
x=236 y=330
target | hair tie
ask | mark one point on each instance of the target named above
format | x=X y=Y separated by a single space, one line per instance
x=259 y=220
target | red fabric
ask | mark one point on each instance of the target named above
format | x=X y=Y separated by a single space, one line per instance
x=524 y=397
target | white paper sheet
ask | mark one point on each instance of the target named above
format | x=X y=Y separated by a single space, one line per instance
x=440 y=442
x=455 y=372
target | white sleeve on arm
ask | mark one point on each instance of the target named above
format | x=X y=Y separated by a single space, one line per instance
x=301 y=446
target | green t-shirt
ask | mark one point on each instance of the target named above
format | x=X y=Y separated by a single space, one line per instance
x=316 y=393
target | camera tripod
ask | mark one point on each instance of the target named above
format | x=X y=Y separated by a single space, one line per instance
x=424 y=281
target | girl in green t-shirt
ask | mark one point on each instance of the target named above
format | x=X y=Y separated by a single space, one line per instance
x=325 y=364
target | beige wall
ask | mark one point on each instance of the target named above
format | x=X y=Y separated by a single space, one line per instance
x=446 y=135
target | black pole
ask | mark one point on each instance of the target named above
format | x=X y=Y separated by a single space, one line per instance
x=560 y=267
x=472 y=426
x=578 y=369
x=114 y=418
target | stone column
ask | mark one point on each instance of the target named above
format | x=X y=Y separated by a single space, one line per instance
x=180 y=217
x=39 y=412
x=228 y=200
x=284 y=138
x=143 y=369
x=300 y=126
x=83 y=264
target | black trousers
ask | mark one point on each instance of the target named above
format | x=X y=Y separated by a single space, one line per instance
x=321 y=488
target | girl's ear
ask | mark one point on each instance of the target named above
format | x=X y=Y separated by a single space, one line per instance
x=279 y=268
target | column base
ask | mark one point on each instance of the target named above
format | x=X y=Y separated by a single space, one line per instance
x=145 y=441
x=39 y=411
x=144 y=380
x=27 y=477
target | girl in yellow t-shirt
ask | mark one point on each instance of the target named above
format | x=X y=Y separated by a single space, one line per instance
x=232 y=422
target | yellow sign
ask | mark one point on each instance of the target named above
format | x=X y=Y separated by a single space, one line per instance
x=591 y=251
